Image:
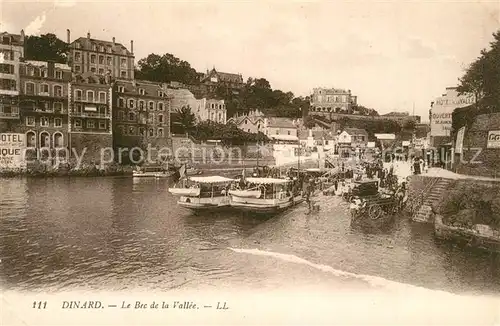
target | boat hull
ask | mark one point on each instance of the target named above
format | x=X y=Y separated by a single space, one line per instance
x=264 y=206
x=204 y=204
x=152 y=175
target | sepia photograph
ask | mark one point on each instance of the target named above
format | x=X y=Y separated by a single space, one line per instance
x=249 y=162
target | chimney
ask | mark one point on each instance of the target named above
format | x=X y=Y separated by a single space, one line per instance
x=113 y=40
x=22 y=35
x=132 y=46
x=88 y=35
x=68 y=38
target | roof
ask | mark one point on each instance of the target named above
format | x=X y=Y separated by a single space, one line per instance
x=331 y=91
x=211 y=179
x=224 y=76
x=385 y=136
x=283 y=137
x=180 y=92
x=116 y=48
x=267 y=180
x=396 y=114
x=15 y=39
x=241 y=119
x=280 y=122
x=355 y=131
x=89 y=77
x=150 y=88
x=46 y=64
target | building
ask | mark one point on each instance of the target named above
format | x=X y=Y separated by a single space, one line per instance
x=211 y=110
x=101 y=57
x=441 y=111
x=354 y=137
x=331 y=100
x=222 y=82
x=141 y=115
x=11 y=53
x=90 y=115
x=317 y=138
x=281 y=129
x=252 y=122
x=44 y=89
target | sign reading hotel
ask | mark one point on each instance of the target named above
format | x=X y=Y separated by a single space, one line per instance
x=443 y=108
x=12 y=147
x=493 y=139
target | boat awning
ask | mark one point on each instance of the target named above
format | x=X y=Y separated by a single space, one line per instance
x=211 y=179
x=267 y=180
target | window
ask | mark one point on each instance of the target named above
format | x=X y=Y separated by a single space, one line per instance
x=90 y=96
x=6 y=68
x=58 y=140
x=124 y=74
x=102 y=97
x=142 y=131
x=160 y=118
x=30 y=121
x=78 y=95
x=121 y=89
x=121 y=115
x=44 y=88
x=108 y=61
x=43 y=73
x=101 y=71
x=44 y=121
x=212 y=116
x=94 y=47
x=141 y=105
x=77 y=68
x=131 y=116
x=92 y=58
x=288 y=132
x=30 y=89
x=160 y=132
x=31 y=71
x=44 y=140
x=78 y=108
x=90 y=124
x=142 y=91
x=58 y=106
x=121 y=102
x=277 y=132
x=59 y=74
x=248 y=130
x=92 y=69
x=151 y=105
x=131 y=131
x=58 y=90
x=131 y=103
x=57 y=122
x=151 y=132
x=220 y=116
x=123 y=62
x=78 y=56
x=31 y=139
x=101 y=59
x=160 y=93
x=102 y=124
x=78 y=123
x=160 y=106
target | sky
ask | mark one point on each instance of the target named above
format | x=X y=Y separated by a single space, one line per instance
x=394 y=55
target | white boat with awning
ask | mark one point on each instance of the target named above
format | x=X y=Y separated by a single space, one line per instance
x=275 y=195
x=203 y=193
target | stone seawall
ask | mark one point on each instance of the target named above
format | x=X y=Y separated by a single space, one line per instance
x=480 y=236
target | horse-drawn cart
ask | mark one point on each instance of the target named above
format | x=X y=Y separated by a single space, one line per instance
x=371 y=206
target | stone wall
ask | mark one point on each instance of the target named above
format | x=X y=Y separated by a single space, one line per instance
x=476 y=158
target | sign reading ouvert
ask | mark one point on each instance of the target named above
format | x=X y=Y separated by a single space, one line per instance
x=12 y=148
x=493 y=139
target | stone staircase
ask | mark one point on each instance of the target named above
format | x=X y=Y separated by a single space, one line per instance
x=432 y=196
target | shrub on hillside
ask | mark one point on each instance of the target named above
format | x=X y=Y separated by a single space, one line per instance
x=471 y=203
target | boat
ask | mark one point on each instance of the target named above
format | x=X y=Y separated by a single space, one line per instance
x=152 y=172
x=192 y=171
x=276 y=195
x=203 y=193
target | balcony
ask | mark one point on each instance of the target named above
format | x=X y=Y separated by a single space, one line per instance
x=9 y=115
x=91 y=115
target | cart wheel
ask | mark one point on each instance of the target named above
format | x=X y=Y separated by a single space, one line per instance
x=374 y=212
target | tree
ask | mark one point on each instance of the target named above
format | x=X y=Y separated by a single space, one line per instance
x=184 y=119
x=46 y=47
x=482 y=77
x=409 y=125
x=166 y=68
